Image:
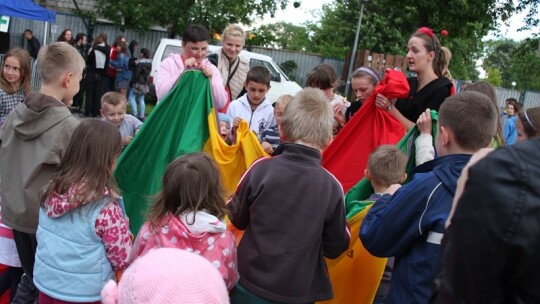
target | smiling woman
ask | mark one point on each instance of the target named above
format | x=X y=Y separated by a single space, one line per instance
x=233 y=69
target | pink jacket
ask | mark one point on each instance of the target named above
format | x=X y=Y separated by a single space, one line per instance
x=206 y=236
x=172 y=67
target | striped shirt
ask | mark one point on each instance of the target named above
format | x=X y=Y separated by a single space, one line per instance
x=8 y=102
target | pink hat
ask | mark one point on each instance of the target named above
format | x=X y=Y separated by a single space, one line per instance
x=168 y=275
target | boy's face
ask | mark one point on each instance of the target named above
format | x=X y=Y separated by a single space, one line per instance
x=224 y=129
x=279 y=109
x=256 y=92
x=114 y=114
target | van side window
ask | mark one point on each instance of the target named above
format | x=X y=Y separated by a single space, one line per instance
x=171 y=49
x=257 y=62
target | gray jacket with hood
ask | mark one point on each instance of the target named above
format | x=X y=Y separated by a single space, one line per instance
x=33 y=139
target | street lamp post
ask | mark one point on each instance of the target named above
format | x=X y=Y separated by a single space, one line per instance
x=353 y=54
x=513 y=85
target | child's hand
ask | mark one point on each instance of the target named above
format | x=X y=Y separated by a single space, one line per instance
x=206 y=71
x=267 y=147
x=236 y=122
x=338 y=114
x=126 y=139
x=424 y=123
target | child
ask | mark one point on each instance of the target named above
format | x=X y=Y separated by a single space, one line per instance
x=189 y=213
x=139 y=83
x=113 y=110
x=83 y=235
x=385 y=171
x=363 y=82
x=510 y=128
x=14 y=81
x=254 y=106
x=167 y=275
x=225 y=123
x=528 y=124
x=34 y=139
x=292 y=210
x=270 y=137
x=324 y=77
x=410 y=224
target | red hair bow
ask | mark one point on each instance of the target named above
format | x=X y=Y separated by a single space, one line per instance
x=427 y=31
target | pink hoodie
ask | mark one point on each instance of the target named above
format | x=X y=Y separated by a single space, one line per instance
x=173 y=66
x=205 y=235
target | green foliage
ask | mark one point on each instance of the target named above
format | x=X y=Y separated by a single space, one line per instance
x=281 y=35
x=175 y=15
x=289 y=68
x=494 y=76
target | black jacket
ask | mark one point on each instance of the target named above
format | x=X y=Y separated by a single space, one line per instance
x=294 y=214
x=33 y=47
x=143 y=68
x=491 y=252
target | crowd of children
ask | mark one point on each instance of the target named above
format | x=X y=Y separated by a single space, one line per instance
x=71 y=236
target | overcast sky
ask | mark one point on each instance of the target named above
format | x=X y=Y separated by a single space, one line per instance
x=310 y=7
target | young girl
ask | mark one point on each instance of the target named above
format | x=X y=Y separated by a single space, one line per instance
x=324 y=77
x=83 y=235
x=188 y=214
x=123 y=74
x=14 y=81
x=528 y=124
x=363 y=82
x=139 y=83
x=510 y=129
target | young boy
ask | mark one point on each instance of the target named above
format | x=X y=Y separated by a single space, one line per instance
x=270 y=137
x=34 y=138
x=386 y=172
x=254 y=107
x=292 y=210
x=410 y=224
x=113 y=110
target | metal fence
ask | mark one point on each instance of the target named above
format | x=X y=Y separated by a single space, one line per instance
x=531 y=99
x=503 y=94
x=305 y=61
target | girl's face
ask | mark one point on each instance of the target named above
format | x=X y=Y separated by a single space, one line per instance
x=12 y=70
x=510 y=110
x=418 y=57
x=362 y=87
x=232 y=46
x=521 y=135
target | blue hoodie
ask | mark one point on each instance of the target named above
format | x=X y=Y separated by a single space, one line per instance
x=410 y=224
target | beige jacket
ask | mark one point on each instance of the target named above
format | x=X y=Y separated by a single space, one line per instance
x=33 y=140
x=238 y=79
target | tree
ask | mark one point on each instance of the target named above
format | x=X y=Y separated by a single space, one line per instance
x=282 y=35
x=494 y=77
x=499 y=55
x=175 y=15
x=525 y=65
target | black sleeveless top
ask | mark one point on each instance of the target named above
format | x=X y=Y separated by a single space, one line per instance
x=431 y=96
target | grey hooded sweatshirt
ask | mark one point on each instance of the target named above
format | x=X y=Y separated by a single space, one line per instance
x=33 y=140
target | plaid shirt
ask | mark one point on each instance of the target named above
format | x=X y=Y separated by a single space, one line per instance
x=8 y=102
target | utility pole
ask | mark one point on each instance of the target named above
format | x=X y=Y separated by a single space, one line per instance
x=355 y=46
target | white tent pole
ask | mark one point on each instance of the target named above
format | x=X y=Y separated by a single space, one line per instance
x=45 y=33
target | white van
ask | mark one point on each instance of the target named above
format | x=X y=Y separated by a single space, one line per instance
x=280 y=83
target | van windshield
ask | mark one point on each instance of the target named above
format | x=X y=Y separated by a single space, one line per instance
x=273 y=68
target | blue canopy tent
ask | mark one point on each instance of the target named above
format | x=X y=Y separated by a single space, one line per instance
x=27 y=9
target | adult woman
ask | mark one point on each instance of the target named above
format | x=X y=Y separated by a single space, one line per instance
x=66 y=36
x=123 y=74
x=232 y=68
x=428 y=59
x=14 y=81
x=194 y=48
